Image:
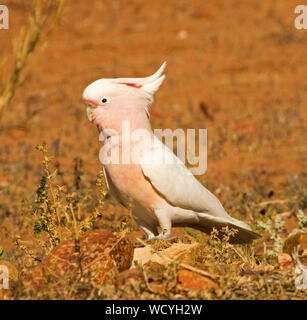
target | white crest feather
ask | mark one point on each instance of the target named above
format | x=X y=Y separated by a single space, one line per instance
x=149 y=84
x=152 y=87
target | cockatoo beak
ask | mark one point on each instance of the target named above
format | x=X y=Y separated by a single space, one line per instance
x=90 y=106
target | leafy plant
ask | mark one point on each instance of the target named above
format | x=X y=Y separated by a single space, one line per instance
x=60 y=211
x=302 y=223
x=275 y=230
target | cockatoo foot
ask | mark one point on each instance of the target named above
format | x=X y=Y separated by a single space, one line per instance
x=163 y=235
x=165 y=224
x=151 y=233
x=150 y=237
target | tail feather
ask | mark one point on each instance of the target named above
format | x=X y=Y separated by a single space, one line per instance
x=244 y=233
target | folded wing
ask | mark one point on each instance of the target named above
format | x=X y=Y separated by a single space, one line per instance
x=171 y=178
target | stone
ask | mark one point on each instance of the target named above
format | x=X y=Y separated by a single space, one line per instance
x=189 y=280
x=145 y=254
x=285 y=261
x=129 y=276
x=98 y=255
x=297 y=245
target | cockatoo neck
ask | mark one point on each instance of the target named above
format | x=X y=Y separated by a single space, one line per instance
x=136 y=122
x=131 y=137
x=126 y=121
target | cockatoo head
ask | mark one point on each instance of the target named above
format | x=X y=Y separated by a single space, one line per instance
x=113 y=97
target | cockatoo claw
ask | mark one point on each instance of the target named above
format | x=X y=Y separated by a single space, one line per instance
x=163 y=235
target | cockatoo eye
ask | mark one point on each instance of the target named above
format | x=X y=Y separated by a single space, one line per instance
x=104 y=100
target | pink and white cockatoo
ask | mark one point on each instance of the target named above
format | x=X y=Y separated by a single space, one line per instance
x=164 y=194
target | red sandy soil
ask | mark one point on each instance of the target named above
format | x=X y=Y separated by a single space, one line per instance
x=243 y=59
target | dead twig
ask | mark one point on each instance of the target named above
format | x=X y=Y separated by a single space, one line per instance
x=264 y=203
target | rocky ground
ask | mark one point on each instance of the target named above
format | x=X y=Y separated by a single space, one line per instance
x=236 y=68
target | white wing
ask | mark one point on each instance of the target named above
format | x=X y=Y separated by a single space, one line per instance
x=178 y=186
x=176 y=183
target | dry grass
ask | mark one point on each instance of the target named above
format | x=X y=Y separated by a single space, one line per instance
x=59 y=212
x=26 y=45
x=240 y=271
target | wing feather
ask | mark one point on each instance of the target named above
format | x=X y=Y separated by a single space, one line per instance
x=171 y=178
x=176 y=183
